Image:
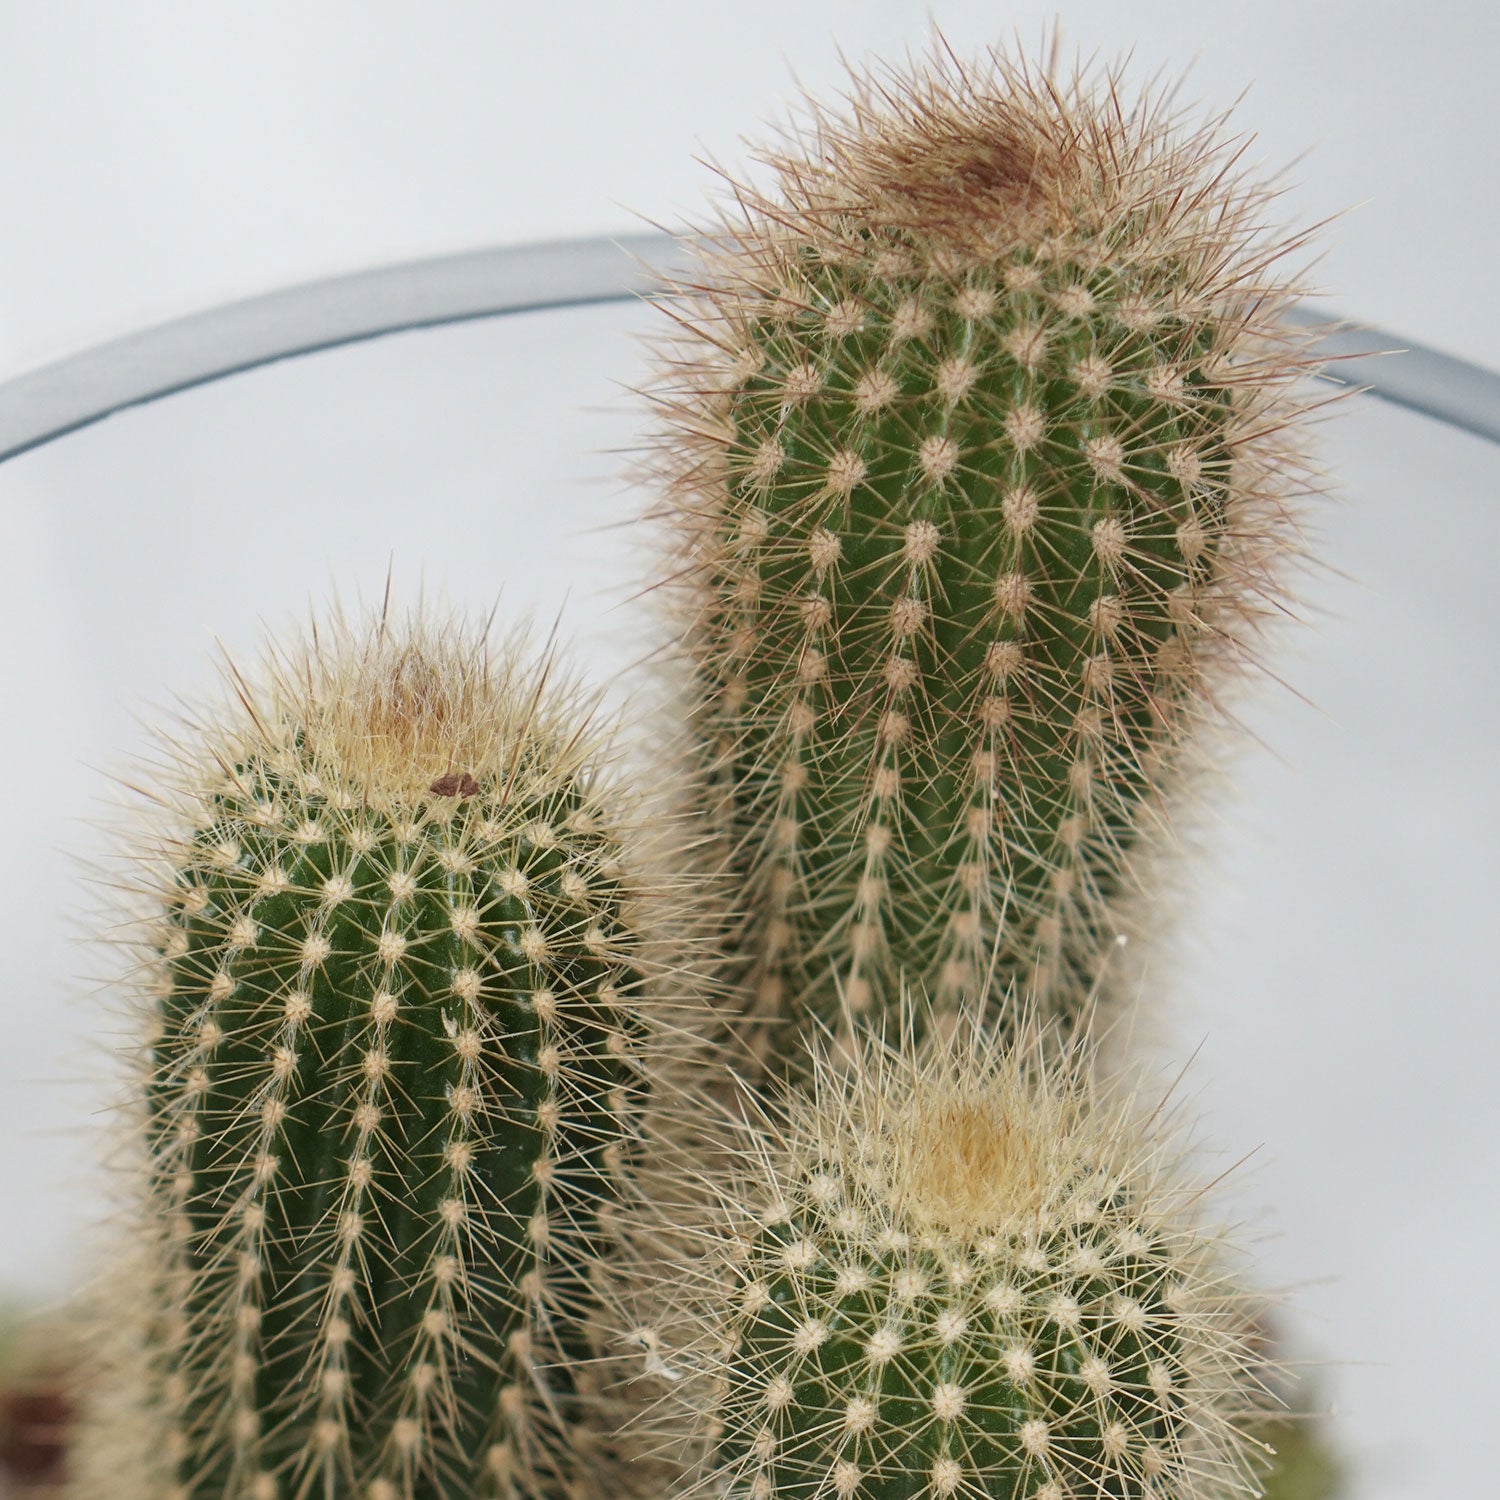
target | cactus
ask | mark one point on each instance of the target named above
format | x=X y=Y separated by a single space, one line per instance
x=397 y=978
x=1302 y=1464
x=962 y=1271
x=979 y=448
x=38 y=1379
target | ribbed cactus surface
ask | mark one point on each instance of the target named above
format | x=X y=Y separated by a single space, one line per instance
x=390 y=1080
x=959 y=1276
x=976 y=486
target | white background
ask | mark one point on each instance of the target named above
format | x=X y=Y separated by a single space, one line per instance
x=159 y=157
x=1337 y=966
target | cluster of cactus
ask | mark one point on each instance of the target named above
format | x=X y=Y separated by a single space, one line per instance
x=976 y=470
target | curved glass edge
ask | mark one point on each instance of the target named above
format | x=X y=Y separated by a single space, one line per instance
x=52 y=400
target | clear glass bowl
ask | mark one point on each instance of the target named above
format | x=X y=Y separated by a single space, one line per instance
x=1333 y=976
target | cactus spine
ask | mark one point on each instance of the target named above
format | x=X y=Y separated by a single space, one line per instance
x=959 y=1272
x=394 y=972
x=975 y=442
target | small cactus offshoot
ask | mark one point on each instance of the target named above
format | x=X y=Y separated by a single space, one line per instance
x=978 y=439
x=396 y=979
x=38 y=1383
x=960 y=1272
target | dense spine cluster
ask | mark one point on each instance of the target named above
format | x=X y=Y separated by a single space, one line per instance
x=395 y=971
x=974 y=448
x=959 y=1273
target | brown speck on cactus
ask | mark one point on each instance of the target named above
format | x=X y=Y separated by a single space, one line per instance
x=455 y=784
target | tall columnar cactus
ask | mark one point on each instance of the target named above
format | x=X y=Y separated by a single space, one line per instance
x=976 y=438
x=397 y=979
x=960 y=1272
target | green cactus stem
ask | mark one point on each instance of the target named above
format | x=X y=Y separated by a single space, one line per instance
x=397 y=983
x=978 y=444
